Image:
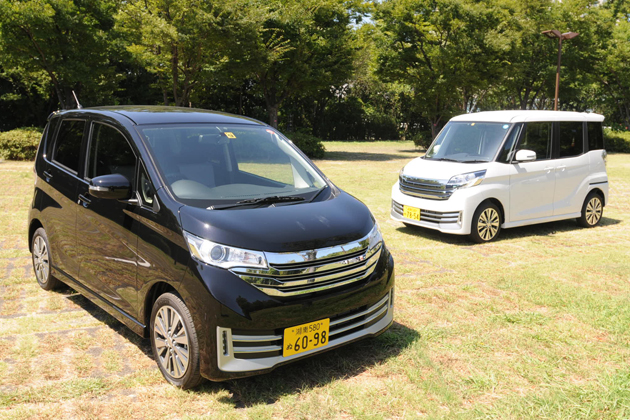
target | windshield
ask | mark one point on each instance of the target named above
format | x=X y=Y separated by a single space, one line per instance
x=208 y=164
x=468 y=141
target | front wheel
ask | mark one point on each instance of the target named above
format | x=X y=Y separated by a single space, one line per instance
x=486 y=223
x=174 y=341
x=592 y=211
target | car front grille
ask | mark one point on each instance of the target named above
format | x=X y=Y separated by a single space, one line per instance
x=248 y=350
x=300 y=273
x=425 y=188
x=429 y=215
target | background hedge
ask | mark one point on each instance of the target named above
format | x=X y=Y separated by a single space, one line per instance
x=20 y=144
x=617 y=141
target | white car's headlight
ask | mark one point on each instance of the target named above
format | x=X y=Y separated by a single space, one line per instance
x=375 y=237
x=222 y=255
x=469 y=179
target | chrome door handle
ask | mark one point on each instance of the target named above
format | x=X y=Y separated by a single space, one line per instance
x=84 y=200
x=47 y=175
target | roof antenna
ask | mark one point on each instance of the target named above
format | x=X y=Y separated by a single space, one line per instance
x=76 y=100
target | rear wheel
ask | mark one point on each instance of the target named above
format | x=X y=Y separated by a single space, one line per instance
x=41 y=261
x=174 y=341
x=486 y=223
x=592 y=211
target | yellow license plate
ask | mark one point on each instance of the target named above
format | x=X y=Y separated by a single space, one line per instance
x=305 y=337
x=411 y=213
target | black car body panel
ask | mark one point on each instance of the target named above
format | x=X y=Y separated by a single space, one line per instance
x=122 y=254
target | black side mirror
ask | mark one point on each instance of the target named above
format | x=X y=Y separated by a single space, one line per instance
x=111 y=187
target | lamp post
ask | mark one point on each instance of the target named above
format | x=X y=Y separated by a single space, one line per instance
x=557 y=34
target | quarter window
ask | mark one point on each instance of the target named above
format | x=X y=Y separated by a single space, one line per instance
x=507 y=152
x=68 y=145
x=571 y=139
x=146 y=188
x=537 y=138
x=110 y=153
x=595 y=136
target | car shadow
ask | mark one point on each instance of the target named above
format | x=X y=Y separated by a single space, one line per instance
x=358 y=156
x=101 y=315
x=542 y=229
x=316 y=371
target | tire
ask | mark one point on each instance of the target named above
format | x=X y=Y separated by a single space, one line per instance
x=592 y=211
x=174 y=341
x=486 y=223
x=41 y=261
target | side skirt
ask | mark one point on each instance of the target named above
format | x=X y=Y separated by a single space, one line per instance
x=132 y=323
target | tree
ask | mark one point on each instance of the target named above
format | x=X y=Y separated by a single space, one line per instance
x=68 y=40
x=300 y=47
x=450 y=52
x=183 y=42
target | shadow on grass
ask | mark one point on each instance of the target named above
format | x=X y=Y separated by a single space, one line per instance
x=101 y=315
x=542 y=229
x=315 y=371
x=358 y=156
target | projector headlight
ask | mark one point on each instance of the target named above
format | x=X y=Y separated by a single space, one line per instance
x=222 y=255
x=469 y=179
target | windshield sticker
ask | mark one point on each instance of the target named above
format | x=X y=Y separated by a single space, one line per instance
x=229 y=135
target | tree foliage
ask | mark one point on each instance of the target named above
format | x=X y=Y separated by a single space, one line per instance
x=334 y=69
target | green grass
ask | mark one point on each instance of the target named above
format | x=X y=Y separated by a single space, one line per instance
x=535 y=325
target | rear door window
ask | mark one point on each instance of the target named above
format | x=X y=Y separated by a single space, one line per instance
x=67 y=149
x=570 y=138
x=537 y=137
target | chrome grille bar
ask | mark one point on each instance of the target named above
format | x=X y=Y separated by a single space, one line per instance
x=425 y=188
x=299 y=273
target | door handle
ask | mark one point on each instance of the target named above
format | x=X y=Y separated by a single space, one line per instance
x=84 y=200
x=47 y=175
x=561 y=168
x=548 y=169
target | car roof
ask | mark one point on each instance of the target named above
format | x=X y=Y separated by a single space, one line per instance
x=151 y=114
x=528 y=115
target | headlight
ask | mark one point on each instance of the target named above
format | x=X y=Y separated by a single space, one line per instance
x=222 y=255
x=467 y=180
x=375 y=237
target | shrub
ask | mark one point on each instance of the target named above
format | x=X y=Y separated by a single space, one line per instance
x=617 y=141
x=20 y=144
x=422 y=139
x=307 y=143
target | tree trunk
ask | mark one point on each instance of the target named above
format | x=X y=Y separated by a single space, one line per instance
x=272 y=110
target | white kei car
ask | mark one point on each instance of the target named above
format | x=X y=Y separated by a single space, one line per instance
x=501 y=169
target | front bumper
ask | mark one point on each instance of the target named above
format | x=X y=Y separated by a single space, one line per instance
x=232 y=317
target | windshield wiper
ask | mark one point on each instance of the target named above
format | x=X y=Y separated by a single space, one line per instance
x=263 y=200
x=475 y=161
x=271 y=200
x=447 y=159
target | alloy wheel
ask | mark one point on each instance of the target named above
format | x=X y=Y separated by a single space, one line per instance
x=488 y=224
x=171 y=341
x=41 y=262
x=593 y=211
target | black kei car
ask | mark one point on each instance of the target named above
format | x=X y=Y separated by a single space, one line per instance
x=209 y=233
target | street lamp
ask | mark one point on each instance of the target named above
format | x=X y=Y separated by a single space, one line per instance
x=557 y=34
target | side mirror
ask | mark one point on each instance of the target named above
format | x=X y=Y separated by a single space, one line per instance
x=110 y=187
x=525 y=156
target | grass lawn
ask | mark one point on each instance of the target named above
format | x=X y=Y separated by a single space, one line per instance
x=535 y=325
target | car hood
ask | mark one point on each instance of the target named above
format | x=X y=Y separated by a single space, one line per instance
x=284 y=228
x=440 y=170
